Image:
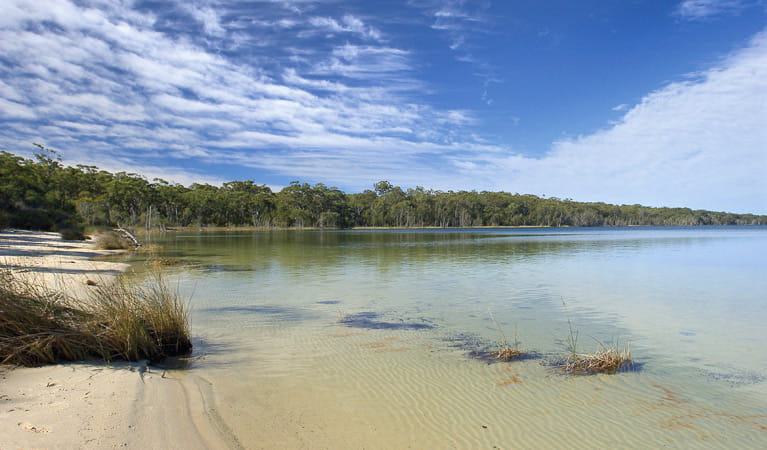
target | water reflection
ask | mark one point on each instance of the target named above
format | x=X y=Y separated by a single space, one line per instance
x=668 y=291
x=298 y=252
x=274 y=312
x=385 y=334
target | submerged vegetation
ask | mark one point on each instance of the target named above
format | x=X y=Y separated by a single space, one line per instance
x=119 y=321
x=609 y=359
x=43 y=194
x=376 y=321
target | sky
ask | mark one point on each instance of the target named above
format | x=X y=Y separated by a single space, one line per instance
x=660 y=103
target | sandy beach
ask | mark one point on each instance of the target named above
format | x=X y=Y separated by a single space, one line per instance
x=91 y=404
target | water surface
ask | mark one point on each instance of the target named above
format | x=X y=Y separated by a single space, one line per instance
x=361 y=338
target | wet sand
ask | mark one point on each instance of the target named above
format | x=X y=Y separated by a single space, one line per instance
x=91 y=404
x=331 y=386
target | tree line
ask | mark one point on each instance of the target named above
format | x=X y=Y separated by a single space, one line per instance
x=43 y=194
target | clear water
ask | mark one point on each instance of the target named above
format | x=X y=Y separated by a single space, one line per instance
x=286 y=367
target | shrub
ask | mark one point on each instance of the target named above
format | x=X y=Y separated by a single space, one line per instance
x=112 y=240
x=69 y=234
x=5 y=219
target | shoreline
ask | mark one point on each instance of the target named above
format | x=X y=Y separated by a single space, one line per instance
x=154 y=231
x=91 y=404
x=142 y=231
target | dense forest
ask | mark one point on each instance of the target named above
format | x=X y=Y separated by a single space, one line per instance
x=43 y=194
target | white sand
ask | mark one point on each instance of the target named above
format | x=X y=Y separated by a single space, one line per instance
x=44 y=258
x=92 y=405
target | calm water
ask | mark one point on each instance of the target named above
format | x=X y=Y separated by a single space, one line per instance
x=360 y=338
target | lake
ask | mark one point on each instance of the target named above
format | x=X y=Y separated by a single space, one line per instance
x=368 y=339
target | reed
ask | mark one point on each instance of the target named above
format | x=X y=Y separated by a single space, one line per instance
x=505 y=351
x=119 y=321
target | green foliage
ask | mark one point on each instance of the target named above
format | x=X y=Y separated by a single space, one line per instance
x=5 y=219
x=33 y=193
x=43 y=194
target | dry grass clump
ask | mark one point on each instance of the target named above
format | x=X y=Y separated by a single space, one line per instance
x=607 y=360
x=505 y=351
x=508 y=353
x=148 y=321
x=119 y=321
x=36 y=324
x=112 y=240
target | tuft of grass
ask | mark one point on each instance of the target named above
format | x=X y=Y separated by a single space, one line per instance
x=112 y=240
x=119 y=321
x=607 y=360
x=508 y=354
x=505 y=351
x=147 y=321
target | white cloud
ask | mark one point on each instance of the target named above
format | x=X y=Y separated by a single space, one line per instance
x=701 y=144
x=151 y=172
x=348 y=24
x=208 y=17
x=463 y=24
x=106 y=85
x=14 y=110
x=704 y=9
x=384 y=64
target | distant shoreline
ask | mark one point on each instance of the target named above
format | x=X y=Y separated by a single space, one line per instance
x=384 y=228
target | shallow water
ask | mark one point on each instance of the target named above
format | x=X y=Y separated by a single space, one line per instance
x=363 y=338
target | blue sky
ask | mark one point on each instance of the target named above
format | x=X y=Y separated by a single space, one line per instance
x=662 y=103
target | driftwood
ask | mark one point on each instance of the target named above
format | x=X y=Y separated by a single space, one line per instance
x=127 y=235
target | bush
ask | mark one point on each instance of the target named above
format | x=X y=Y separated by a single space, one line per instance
x=31 y=219
x=5 y=220
x=69 y=234
x=112 y=240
